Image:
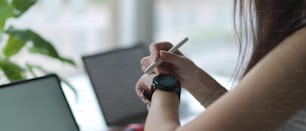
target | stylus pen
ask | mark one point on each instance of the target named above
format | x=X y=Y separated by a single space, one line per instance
x=171 y=50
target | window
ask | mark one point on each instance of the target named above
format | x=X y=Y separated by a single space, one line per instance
x=75 y=27
x=208 y=24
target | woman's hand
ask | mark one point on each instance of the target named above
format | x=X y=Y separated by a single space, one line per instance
x=174 y=63
x=192 y=78
x=144 y=85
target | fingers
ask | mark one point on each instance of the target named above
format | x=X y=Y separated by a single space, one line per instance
x=172 y=58
x=155 y=50
x=140 y=88
x=144 y=84
x=156 y=47
x=145 y=62
x=164 y=68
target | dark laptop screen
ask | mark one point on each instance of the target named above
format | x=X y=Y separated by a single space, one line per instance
x=35 y=105
x=113 y=75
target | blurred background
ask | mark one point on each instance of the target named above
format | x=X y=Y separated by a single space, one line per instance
x=83 y=27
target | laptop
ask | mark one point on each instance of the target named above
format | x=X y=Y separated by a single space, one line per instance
x=113 y=75
x=35 y=105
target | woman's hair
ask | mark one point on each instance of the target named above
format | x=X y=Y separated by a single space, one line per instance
x=261 y=25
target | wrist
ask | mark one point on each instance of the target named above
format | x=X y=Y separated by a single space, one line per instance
x=165 y=83
x=199 y=78
x=161 y=97
x=204 y=88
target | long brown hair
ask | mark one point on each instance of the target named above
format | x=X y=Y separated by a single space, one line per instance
x=261 y=25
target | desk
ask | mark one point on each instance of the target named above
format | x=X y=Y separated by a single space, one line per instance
x=88 y=114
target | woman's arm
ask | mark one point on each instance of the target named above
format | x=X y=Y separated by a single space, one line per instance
x=205 y=89
x=267 y=96
x=163 y=114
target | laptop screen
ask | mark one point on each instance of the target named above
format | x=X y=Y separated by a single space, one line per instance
x=113 y=76
x=35 y=105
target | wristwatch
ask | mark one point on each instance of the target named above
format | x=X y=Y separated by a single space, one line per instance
x=164 y=82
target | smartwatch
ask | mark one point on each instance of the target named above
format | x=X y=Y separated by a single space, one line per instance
x=164 y=82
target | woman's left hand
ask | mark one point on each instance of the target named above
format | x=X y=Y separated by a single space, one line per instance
x=144 y=85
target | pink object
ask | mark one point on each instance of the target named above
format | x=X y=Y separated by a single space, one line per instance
x=134 y=127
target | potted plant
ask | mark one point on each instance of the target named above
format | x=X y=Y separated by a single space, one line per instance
x=13 y=40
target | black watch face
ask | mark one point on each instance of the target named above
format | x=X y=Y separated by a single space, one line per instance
x=167 y=81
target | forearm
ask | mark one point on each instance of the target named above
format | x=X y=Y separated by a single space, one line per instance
x=206 y=91
x=163 y=114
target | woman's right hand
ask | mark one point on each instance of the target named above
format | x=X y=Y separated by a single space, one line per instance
x=192 y=78
x=174 y=63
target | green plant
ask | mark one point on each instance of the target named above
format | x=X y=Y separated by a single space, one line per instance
x=16 y=39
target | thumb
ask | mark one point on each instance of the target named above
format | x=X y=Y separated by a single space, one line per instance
x=171 y=58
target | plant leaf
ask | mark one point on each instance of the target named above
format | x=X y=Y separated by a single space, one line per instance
x=29 y=67
x=11 y=70
x=6 y=11
x=40 y=45
x=71 y=87
x=67 y=60
x=22 y=6
x=13 y=46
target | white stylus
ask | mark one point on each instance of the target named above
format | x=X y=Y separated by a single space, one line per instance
x=171 y=50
